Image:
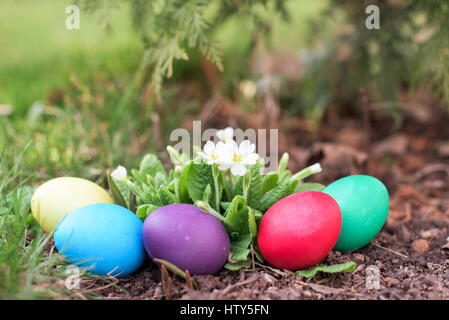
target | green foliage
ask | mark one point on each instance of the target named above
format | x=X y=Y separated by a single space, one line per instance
x=343 y=267
x=199 y=178
x=151 y=165
x=409 y=48
x=255 y=187
x=309 y=186
x=170 y=29
x=26 y=269
x=193 y=182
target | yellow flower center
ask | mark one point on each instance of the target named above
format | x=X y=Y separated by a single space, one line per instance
x=237 y=158
x=214 y=157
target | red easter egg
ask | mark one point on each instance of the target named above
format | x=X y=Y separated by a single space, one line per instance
x=300 y=230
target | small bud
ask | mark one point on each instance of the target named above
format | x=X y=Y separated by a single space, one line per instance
x=120 y=173
x=315 y=168
x=283 y=162
x=178 y=171
x=175 y=156
x=204 y=206
x=304 y=173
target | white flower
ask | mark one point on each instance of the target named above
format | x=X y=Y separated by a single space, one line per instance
x=226 y=134
x=213 y=153
x=237 y=157
x=120 y=173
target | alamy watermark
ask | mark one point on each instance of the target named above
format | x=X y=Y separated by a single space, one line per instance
x=373 y=20
x=73 y=19
x=372 y=277
x=73 y=280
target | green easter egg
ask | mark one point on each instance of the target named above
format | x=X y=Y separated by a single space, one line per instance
x=364 y=204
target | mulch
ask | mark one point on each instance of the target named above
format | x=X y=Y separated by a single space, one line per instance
x=411 y=252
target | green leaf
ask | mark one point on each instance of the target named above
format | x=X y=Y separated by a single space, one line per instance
x=257 y=252
x=207 y=193
x=165 y=196
x=30 y=220
x=151 y=165
x=252 y=223
x=140 y=194
x=269 y=181
x=115 y=191
x=237 y=215
x=139 y=178
x=309 y=186
x=150 y=182
x=343 y=267
x=150 y=198
x=144 y=210
x=235 y=266
x=280 y=191
x=160 y=179
x=199 y=177
x=283 y=163
x=227 y=189
x=184 y=196
x=255 y=187
x=292 y=185
x=177 y=158
x=132 y=201
x=240 y=248
x=225 y=205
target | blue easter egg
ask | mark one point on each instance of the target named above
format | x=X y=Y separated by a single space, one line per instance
x=104 y=238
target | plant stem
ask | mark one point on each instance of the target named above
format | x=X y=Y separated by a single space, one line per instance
x=206 y=207
x=178 y=171
x=215 y=173
x=177 y=189
x=245 y=194
x=246 y=184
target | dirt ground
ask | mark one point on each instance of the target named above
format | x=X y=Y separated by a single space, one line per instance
x=411 y=251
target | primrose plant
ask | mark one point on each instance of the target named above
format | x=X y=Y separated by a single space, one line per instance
x=224 y=179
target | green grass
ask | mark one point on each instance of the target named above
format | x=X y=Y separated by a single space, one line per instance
x=39 y=54
x=25 y=270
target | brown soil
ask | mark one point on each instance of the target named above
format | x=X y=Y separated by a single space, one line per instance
x=411 y=251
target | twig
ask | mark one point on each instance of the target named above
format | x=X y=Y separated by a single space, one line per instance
x=51 y=250
x=189 y=280
x=253 y=261
x=272 y=269
x=431 y=168
x=390 y=250
x=166 y=282
x=239 y=284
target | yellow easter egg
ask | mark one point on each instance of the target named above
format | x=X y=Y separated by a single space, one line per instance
x=57 y=197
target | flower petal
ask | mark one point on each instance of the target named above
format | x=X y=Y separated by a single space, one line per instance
x=245 y=146
x=238 y=170
x=224 y=166
x=209 y=147
x=250 y=158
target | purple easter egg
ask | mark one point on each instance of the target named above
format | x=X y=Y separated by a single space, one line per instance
x=189 y=238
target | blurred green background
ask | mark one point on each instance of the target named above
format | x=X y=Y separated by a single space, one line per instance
x=59 y=88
